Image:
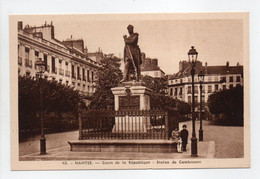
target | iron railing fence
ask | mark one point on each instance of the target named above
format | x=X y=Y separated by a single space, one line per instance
x=127 y=124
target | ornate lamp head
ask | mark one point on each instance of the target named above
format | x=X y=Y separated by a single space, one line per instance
x=193 y=54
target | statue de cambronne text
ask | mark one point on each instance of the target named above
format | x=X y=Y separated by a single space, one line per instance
x=132 y=56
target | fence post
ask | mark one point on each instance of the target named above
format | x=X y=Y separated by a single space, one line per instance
x=166 y=125
x=80 y=124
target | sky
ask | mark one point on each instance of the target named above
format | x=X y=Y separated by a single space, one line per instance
x=168 y=39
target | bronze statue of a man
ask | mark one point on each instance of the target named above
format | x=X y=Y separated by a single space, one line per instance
x=132 y=56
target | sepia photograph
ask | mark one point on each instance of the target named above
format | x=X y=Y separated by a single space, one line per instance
x=129 y=91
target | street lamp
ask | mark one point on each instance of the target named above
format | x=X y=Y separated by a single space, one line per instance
x=201 y=80
x=40 y=67
x=193 y=55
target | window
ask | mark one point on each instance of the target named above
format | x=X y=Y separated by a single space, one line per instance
x=189 y=89
x=175 y=91
x=189 y=99
x=83 y=74
x=27 y=50
x=195 y=89
x=28 y=74
x=231 y=86
x=223 y=79
x=196 y=99
x=180 y=90
x=45 y=61
x=36 y=53
x=209 y=88
x=92 y=76
x=88 y=76
x=171 y=92
x=72 y=71
x=224 y=87
x=216 y=87
x=78 y=72
x=231 y=79
x=53 y=64
x=238 y=78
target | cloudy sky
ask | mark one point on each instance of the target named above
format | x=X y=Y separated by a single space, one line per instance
x=166 y=37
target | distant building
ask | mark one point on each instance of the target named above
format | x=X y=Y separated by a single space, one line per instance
x=216 y=78
x=150 y=67
x=95 y=56
x=65 y=61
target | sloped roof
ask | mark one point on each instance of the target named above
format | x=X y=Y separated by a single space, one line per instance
x=210 y=70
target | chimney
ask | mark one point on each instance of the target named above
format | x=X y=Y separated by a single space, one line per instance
x=238 y=64
x=20 y=25
x=206 y=67
x=180 y=65
x=227 y=64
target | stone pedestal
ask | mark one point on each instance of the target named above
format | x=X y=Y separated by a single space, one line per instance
x=131 y=96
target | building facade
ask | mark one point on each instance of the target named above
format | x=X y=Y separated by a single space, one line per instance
x=216 y=78
x=150 y=67
x=65 y=61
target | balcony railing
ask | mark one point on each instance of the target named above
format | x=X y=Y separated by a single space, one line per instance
x=20 y=61
x=61 y=71
x=28 y=63
x=67 y=73
x=54 y=70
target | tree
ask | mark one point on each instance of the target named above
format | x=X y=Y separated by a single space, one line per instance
x=228 y=103
x=57 y=98
x=183 y=107
x=108 y=77
x=157 y=85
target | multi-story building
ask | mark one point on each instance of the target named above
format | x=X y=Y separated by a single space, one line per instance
x=65 y=61
x=216 y=78
x=150 y=67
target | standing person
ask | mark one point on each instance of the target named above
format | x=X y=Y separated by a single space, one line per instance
x=132 y=55
x=179 y=145
x=184 y=137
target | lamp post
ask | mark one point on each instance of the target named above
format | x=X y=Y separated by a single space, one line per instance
x=193 y=55
x=40 y=67
x=201 y=79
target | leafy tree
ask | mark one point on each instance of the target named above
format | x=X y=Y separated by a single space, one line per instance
x=228 y=103
x=183 y=107
x=56 y=98
x=108 y=77
x=157 y=85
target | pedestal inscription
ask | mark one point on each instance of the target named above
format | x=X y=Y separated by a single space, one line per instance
x=129 y=102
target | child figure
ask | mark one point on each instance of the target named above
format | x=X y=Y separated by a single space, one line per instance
x=179 y=145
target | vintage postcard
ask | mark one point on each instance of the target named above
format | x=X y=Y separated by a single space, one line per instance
x=129 y=91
